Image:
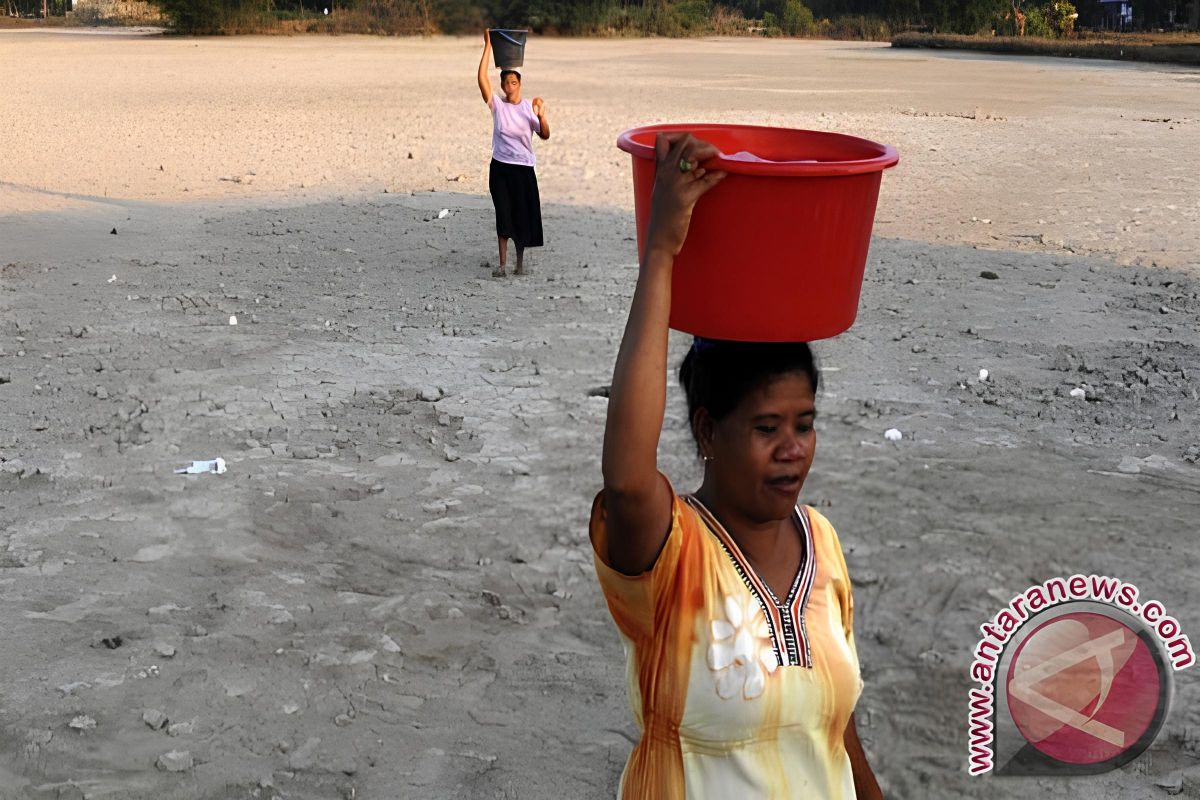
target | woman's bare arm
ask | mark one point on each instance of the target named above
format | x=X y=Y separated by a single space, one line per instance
x=865 y=785
x=485 y=85
x=637 y=500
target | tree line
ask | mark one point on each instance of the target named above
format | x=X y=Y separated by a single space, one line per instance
x=848 y=19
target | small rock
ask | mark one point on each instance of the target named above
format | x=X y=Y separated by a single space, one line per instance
x=893 y=435
x=304 y=451
x=69 y=689
x=280 y=616
x=181 y=728
x=1171 y=784
x=987 y=274
x=430 y=394
x=155 y=719
x=445 y=212
x=932 y=657
x=82 y=723
x=163 y=610
x=1078 y=393
x=101 y=393
x=342 y=720
x=983 y=374
x=1130 y=465
x=864 y=577
x=113 y=232
x=165 y=650
x=175 y=761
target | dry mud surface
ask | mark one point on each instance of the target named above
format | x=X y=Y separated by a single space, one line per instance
x=390 y=593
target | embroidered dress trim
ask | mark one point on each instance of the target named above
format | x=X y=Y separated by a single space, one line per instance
x=785 y=620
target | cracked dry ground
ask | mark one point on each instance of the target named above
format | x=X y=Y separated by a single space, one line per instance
x=390 y=595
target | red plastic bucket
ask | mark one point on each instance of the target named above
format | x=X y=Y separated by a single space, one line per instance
x=776 y=251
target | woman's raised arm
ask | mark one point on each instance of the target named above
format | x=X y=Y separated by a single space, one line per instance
x=637 y=500
x=485 y=85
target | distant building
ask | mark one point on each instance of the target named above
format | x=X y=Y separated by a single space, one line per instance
x=1116 y=15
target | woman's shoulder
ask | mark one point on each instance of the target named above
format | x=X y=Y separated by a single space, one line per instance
x=823 y=533
x=816 y=517
x=825 y=537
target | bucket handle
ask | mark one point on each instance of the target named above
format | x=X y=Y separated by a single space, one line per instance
x=506 y=36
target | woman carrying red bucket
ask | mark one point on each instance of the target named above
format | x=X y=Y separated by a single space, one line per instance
x=511 y=178
x=733 y=602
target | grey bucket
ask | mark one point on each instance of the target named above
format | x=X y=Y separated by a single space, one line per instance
x=508 y=47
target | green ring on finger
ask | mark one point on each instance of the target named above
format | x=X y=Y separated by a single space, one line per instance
x=685 y=165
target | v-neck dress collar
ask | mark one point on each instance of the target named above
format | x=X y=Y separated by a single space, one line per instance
x=785 y=618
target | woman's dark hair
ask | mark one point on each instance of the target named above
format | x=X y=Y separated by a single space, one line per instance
x=505 y=72
x=716 y=375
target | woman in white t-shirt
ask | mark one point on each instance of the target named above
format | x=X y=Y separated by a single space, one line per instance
x=511 y=178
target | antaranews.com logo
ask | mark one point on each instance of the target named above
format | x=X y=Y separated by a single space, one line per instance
x=1075 y=677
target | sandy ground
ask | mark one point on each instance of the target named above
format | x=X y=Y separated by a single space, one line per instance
x=389 y=594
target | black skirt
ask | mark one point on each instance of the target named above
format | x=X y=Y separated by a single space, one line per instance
x=518 y=207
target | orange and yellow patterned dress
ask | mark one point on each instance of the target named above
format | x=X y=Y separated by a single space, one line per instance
x=740 y=695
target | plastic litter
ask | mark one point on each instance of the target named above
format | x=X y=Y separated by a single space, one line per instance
x=1078 y=393
x=233 y=319
x=216 y=465
x=983 y=374
x=445 y=212
x=893 y=435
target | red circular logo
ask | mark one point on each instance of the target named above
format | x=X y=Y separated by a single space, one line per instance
x=1083 y=688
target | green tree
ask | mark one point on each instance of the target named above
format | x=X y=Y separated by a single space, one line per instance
x=1037 y=22
x=1062 y=16
x=797 y=19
